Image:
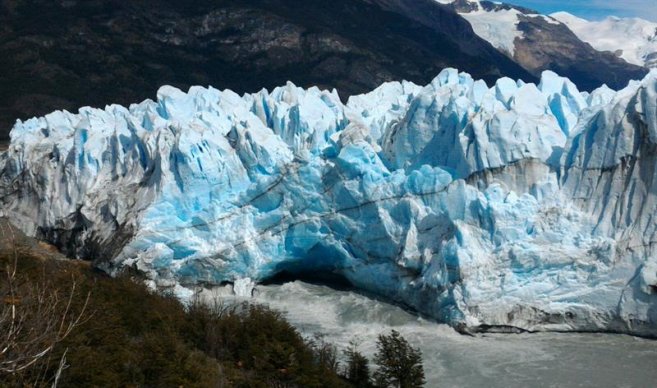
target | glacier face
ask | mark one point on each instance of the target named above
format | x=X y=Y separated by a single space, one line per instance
x=516 y=205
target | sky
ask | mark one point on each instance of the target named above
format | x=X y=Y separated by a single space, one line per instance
x=594 y=9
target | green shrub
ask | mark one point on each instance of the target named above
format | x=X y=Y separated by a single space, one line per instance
x=261 y=348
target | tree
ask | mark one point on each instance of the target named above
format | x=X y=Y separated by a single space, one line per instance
x=357 y=371
x=325 y=354
x=400 y=365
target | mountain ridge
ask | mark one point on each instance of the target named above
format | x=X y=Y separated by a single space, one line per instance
x=109 y=51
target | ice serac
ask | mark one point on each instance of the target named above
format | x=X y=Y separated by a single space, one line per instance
x=510 y=206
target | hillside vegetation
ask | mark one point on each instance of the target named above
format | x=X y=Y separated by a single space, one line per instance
x=125 y=335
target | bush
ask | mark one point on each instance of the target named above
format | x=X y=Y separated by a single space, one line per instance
x=400 y=365
x=131 y=336
x=260 y=348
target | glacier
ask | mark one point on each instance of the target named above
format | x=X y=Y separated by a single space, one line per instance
x=493 y=208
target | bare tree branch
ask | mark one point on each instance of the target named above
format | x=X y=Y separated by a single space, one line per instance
x=34 y=318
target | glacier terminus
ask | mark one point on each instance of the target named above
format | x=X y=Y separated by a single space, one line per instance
x=511 y=207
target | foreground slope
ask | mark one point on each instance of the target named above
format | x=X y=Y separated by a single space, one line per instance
x=519 y=205
x=129 y=335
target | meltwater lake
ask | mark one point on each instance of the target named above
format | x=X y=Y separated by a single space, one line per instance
x=455 y=360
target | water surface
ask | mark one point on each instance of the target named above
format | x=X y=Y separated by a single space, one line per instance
x=454 y=360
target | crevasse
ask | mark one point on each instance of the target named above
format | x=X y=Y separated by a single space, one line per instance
x=516 y=205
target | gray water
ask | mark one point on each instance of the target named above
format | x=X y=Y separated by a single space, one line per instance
x=454 y=360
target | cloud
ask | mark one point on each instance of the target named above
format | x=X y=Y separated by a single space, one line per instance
x=595 y=9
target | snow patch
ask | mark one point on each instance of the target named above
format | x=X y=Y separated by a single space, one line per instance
x=499 y=28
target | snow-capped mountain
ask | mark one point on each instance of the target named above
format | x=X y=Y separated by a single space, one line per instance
x=522 y=205
x=633 y=39
x=539 y=42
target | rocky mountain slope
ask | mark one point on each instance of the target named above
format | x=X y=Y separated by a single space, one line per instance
x=96 y=52
x=539 y=42
x=517 y=205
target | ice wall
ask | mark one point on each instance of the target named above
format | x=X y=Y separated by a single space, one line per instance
x=516 y=205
